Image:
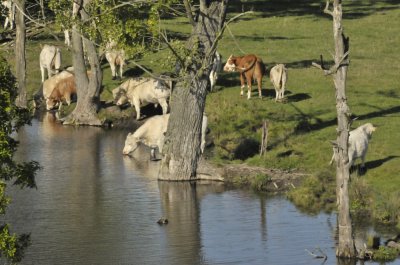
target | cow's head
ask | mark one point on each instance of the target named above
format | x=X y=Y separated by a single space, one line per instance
x=51 y=103
x=131 y=143
x=230 y=65
x=369 y=129
x=122 y=99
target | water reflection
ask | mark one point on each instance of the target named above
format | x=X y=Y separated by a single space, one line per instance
x=95 y=206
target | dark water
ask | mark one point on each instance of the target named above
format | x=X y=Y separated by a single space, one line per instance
x=94 y=206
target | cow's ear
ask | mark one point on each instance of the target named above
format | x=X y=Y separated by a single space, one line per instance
x=129 y=134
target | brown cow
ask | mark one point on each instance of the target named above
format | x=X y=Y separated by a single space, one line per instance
x=63 y=91
x=249 y=66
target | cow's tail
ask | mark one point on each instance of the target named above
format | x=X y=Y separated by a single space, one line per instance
x=243 y=70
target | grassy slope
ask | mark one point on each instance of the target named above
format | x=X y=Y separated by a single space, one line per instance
x=296 y=33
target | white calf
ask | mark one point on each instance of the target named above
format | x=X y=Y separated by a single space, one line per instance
x=10 y=6
x=115 y=58
x=278 y=76
x=50 y=60
x=358 y=144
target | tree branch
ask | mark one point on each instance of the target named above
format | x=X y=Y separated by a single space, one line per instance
x=334 y=68
x=221 y=32
x=189 y=12
x=326 y=10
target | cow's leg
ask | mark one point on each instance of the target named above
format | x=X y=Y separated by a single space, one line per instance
x=277 y=94
x=259 y=83
x=112 y=67
x=42 y=72
x=121 y=70
x=49 y=72
x=248 y=87
x=241 y=84
x=164 y=105
x=136 y=103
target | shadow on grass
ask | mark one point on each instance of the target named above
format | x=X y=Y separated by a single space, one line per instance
x=378 y=162
x=247 y=148
x=280 y=8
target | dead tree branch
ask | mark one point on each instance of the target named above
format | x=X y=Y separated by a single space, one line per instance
x=326 y=10
x=334 y=68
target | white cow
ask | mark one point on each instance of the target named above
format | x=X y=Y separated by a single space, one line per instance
x=152 y=134
x=141 y=92
x=215 y=69
x=50 y=60
x=278 y=76
x=115 y=58
x=358 y=144
x=10 y=6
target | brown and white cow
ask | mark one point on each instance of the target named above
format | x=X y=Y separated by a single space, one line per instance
x=143 y=91
x=62 y=91
x=50 y=60
x=249 y=66
x=278 y=76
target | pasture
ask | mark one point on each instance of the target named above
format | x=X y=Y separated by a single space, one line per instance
x=296 y=33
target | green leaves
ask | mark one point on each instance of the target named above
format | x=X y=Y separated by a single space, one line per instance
x=23 y=174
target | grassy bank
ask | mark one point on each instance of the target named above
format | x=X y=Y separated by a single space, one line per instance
x=296 y=33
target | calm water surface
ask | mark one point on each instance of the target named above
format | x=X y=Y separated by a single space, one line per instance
x=95 y=206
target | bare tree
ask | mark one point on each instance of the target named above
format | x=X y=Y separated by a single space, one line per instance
x=182 y=142
x=346 y=247
x=88 y=85
x=20 y=65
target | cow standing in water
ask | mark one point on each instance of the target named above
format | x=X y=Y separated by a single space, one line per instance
x=50 y=60
x=249 y=66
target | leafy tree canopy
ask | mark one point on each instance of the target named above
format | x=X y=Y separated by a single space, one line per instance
x=133 y=25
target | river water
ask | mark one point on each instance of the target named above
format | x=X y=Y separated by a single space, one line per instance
x=95 y=206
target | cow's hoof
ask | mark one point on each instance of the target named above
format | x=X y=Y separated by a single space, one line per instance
x=113 y=78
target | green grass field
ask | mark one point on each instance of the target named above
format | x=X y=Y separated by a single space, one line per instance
x=297 y=33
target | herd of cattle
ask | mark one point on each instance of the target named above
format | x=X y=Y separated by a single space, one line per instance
x=59 y=86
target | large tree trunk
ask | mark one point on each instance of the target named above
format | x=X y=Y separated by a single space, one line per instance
x=346 y=246
x=20 y=65
x=182 y=142
x=88 y=85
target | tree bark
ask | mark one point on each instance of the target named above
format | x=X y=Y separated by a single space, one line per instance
x=346 y=247
x=181 y=151
x=20 y=66
x=88 y=85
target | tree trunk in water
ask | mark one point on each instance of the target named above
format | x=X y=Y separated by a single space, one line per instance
x=20 y=66
x=346 y=248
x=88 y=85
x=182 y=142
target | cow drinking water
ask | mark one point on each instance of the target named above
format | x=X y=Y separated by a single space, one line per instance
x=152 y=134
x=249 y=66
